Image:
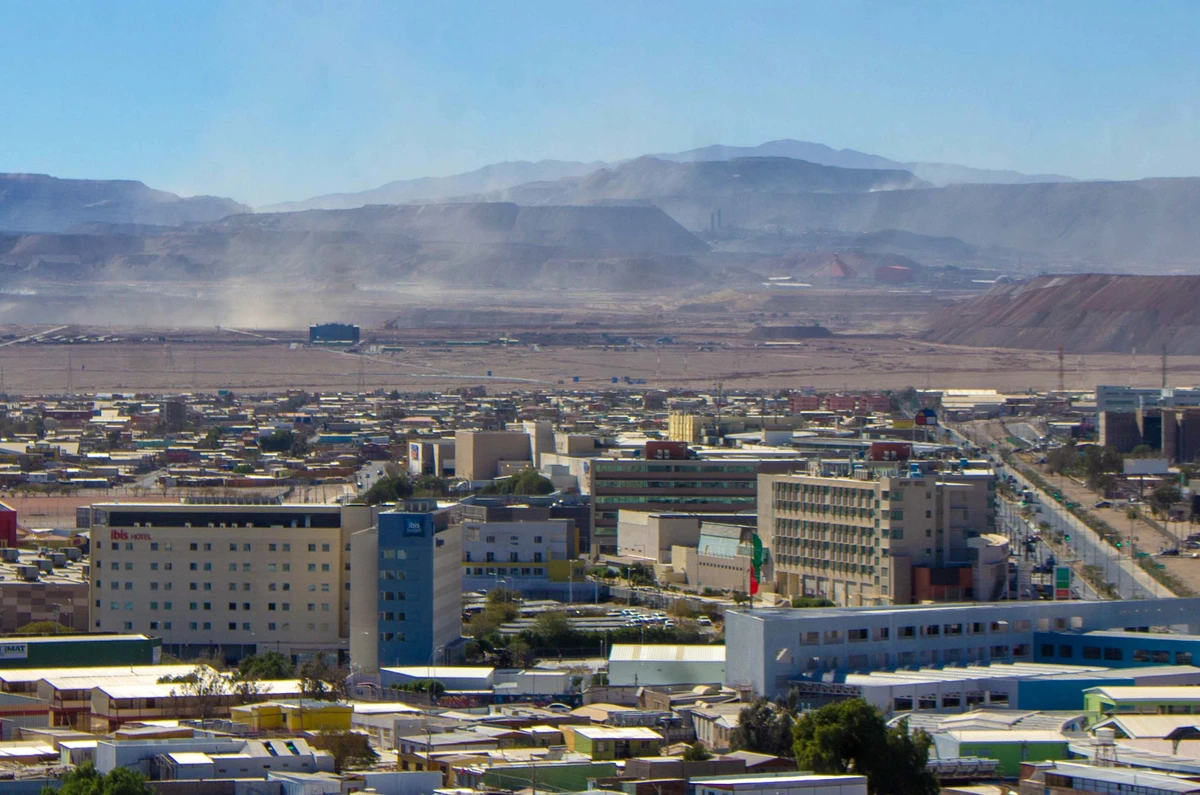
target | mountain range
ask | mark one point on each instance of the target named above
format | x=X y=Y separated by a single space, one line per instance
x=726 y=210
x=499 y=176
x=40 y=203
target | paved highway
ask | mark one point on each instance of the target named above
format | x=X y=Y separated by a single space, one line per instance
x=1126 y=576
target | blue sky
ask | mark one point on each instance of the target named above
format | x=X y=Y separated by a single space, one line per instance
x=270 y=101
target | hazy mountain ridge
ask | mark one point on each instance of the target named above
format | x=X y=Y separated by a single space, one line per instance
x=41 y=203
x=938 y=174
x=1145 y=224
x=653 y=180
x=1088 y=313
x=601 y=230
x=501 y=176
x=431 y=189
x=480 y=244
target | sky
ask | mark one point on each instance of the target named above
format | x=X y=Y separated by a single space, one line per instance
x=276 y=101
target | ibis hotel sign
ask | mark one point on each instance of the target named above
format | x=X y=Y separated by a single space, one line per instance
x=124 y=535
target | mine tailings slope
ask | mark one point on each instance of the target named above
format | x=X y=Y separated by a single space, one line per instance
x=1087 y=313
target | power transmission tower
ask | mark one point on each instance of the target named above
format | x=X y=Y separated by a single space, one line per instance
x=1164 y=366
x=1062 y=380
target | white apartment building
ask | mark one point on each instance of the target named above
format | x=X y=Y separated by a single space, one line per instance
x=232 y=579
x=878 y=538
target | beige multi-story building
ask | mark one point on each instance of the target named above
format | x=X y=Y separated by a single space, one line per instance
x=228 y=579
x=480 y=456
x=876 y=538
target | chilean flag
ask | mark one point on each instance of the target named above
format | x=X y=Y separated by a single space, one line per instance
x=753 y=582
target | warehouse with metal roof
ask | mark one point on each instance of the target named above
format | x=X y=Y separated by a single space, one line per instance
x=634 y=664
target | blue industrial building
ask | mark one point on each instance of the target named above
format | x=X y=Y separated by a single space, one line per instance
x=778 y=647
x=1116 y=649
x=335 y=333
x=406 y=591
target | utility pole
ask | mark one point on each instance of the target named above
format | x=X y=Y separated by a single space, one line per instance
x=1164 y=366
x=70 y=374
x=720 y=396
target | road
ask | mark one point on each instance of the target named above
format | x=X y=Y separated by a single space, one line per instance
x=1086 y=546
x=370 y=474
x=37 y=336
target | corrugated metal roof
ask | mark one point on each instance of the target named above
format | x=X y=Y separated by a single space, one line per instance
x=1154 y=726
x=666 y=652
x=99 y=672
x=1160 y=693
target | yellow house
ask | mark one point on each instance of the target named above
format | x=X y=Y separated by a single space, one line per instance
x=294 y=716
x=612 y=742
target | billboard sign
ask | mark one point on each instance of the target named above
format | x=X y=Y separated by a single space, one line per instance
x=666 y=451
x=890 y=451
x=1062 y=582
x=1146 y=466
x=926 y=417
x=14 y=651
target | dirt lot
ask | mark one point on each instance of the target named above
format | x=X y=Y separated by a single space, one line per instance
x=233 y=361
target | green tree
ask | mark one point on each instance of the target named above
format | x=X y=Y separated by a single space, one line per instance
x=525 y=482
x=1165 y=495
x=696 y=752
x=268 y=665
x=431 y=485
x=280 y=441
x=481 y=625
x=389 y=489
x=1062 y=459
x=206 y=686
x=243 y=469
x=49 y=627
x=211 y=440
x=86 y=780
x=322 y=681
x=530 y=482
x=554 y=630
x=349 y=749
x=852 y=737
x=763 y=728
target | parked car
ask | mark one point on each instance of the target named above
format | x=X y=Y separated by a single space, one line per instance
x=704 y=621
x=1103 y=504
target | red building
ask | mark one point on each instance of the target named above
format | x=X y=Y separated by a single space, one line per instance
x=8 y=526
x=841 y=402
x=801 y=402
x=875 y=404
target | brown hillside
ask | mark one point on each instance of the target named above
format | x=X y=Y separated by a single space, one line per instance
x=1089 y=313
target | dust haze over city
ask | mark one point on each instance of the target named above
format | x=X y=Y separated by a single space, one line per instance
x=499 y=365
